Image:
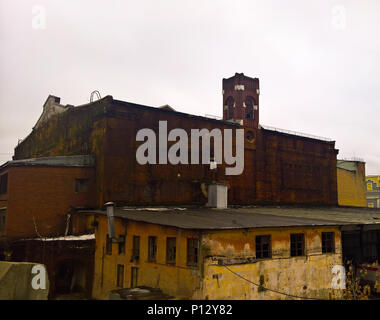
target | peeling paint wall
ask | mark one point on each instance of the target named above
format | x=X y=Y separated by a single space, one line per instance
x=306 y=276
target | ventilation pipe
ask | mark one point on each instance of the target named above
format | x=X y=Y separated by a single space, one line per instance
x=217 y=196
x=111 y=221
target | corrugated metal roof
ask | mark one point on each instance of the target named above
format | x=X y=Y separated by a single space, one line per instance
x=63 y=161
x=248 y=217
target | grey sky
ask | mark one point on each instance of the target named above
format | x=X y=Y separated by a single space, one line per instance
x=317 y=74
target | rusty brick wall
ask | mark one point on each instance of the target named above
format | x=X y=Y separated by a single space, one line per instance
x=40 y=197
x=279 y=168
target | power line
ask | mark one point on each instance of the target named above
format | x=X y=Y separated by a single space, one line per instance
x=279 y=292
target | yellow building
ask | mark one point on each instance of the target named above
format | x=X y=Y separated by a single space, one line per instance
x=351 y=183
x=373 y=191
x=215 y=254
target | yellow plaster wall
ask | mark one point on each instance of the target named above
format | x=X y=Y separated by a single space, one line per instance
x=308 y=276
x=177 y=280
x=352 y=187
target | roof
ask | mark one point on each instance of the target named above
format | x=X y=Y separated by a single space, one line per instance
x=63 y=161
x=247 y=217
x=346 y=165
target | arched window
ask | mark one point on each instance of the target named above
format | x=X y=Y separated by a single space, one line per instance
x=230 y=107
x=249 y=112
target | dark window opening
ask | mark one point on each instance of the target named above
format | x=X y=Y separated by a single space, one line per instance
x=136 y=248
x=121 y=244
x=171 y=250
x=108 y=245
x=328 y=242
x=2 y=219
x=152 y=249
x=263 y=247
x=249 y=105
x=192 y=251
x=230 y=107
x=297 y=244
x=3 y=183
x=81 y=185
x=120 y=275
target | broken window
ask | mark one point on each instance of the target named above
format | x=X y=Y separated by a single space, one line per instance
x=3 y=183
x=120 y=276
x=108 y=245
x=81 y=185
x=121 y=244
x=136 y=248
x=2 y=219
x=263 y=247
x=171 y=250
x=328 y=242
x=192 y=251
x=297 y=244
x=152 y=249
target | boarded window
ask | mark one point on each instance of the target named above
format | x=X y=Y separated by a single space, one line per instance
x=134 y=276
x=171 y=250
x=81 y=185
x=297 y=244
x=152 y=249
x=3 y=183
x=192 y=251
x=121 y=244
x=328 y=242
x=120 y=275
x=136 y=248
x=2 y=219
x=108 y=245
x=263 y=247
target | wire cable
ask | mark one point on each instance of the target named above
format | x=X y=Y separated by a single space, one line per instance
x=279 y=292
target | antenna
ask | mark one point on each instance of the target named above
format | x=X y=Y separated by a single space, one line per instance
x=97 y=95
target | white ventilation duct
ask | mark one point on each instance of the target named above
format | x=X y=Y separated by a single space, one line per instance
x=217 y=196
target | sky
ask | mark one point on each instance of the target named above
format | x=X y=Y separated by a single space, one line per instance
x=318 y=61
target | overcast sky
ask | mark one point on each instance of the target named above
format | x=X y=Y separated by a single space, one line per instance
x=317 y=61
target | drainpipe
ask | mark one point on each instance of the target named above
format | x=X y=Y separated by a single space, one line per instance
x=111 y=221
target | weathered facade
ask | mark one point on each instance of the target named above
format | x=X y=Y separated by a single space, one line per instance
x=373 y=191
x=351 y=183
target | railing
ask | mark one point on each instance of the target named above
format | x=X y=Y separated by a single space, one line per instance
x=306 y=135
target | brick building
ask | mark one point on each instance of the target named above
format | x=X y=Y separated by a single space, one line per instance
x=79 y=158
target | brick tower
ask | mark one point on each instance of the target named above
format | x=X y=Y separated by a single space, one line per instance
x=241 y=100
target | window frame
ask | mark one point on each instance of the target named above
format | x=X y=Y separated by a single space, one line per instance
x=260 y=244
x=3 y=219
x=120 y=275
x=121 y=245
x=172 y=255
x=152 y=249
x=296 y=242
x=4 y=183
x=326 y=241
x=192 y=251
x=136 y=247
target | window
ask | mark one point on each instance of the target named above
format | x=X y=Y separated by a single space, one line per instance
x=249 y=103
x=371 y=205
x=121 y=244
x=152 y=249
x=263 y=247
x=328 y=242
x=171 y=250
x=3 y=183
x=192 y=251
x=369 y=186
x=120 y=276
x=134 y=276
x=297 y=244
x=136 y=248
x=229 y=106
x=2 y=219
x=108 y=245
x=81 y=185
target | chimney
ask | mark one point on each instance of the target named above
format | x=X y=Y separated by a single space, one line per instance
x=110 y=215
x=217 y=196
